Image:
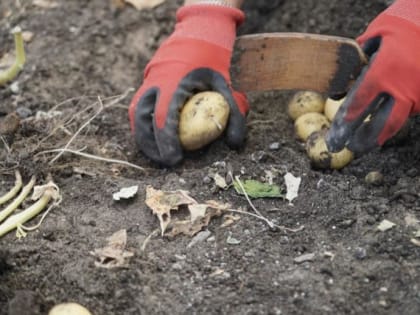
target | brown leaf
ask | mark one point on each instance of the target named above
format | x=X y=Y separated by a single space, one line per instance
x=144 y=4
x=162 y=203
x=229 y=219
x=113 y=255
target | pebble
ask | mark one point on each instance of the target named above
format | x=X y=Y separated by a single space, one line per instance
x=374 y=178
x=14 y=87
x=360 y=253
x=23 y=112
x=275 y=146
x=207 y=180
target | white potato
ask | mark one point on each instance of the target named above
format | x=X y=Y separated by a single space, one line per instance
x=305 y=102
x=331 y=108
x=202 y=120
x=69 y=309
x=308 y=123
x=317 y=150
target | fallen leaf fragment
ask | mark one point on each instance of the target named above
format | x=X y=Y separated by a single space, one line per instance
x=304 y=258
x=220 y=181
x=145 y=4
x=256 y=189
x=113 y=255
x=125 y=193
x=292 y=186
x=386 y=225
x=229 y=219
x=162 y=203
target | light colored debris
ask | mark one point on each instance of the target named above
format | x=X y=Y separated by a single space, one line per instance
x=217 y=272
x=125 y=193
x=386 y=225
x=219 y=181
x=418 y=234
x=292 y=186
x=229 y=219
x=46 y=4
x=41 y=115
x=304 y=258
x=27 y=36
x=199 y=238
x=233 y=241
x=145 y=4
x=412 y=221
x=415 y=242
x=113 y=255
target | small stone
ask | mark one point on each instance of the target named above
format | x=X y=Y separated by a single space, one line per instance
x=412 y=172
x=284 y=240
x=177 y=266
x=14 y=87
x=360 y=253
x=23 y=112
x=207 y=180
x=374 y=178
x=275 y=146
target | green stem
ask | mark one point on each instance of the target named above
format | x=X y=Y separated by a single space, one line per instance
x=20 y=59
x=17 y=220
x=13 y=192
x=16 y=203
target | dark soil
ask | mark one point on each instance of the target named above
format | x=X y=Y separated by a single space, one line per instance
x=82 y=49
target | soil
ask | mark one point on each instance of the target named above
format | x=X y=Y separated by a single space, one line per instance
x=84 y=49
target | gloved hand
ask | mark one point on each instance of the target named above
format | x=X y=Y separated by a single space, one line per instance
x=388 y=88
x=196 y=57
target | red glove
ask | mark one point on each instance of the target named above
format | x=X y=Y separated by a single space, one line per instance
x=389 y=87
x=196 y=57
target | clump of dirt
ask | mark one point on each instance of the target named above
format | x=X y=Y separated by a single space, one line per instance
x=85 y=49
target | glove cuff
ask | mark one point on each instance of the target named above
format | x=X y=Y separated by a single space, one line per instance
x=214 y=24
x=406 y=9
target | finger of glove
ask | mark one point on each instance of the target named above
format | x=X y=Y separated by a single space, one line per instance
x=362 y=100
x=143 y=128
x=235 y=133
x=381 y=124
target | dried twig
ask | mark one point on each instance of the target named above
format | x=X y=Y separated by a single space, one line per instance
x=94 y=157
x=101 y=107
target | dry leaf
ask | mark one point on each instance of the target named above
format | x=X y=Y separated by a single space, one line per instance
x=220 y=181
x=46 y=4
x=292 y=186
x=162 y=203
x=113 y=254
x=145 y=4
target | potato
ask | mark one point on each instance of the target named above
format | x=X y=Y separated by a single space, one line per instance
x=317 y=150
x=202 y=120
x=69 y=309
x=305 y=102
x=308 y=123
x=331 y=108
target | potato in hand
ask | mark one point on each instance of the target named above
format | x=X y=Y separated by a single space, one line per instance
x=202 y=120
